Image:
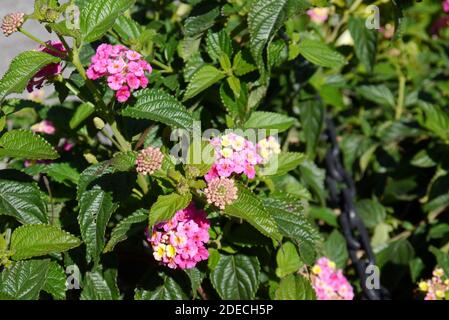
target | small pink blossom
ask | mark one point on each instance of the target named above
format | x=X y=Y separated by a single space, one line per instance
x=318 y=15
x=123 y=94
x=44 y=126
x=445 y=5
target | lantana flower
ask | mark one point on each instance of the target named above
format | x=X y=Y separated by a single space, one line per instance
x=124 y=69
x=181 y=241
x=436 y=288
x=329 y=282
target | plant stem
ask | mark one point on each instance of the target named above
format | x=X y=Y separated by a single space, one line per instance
x=162 y=66
x=29 y=35
x=401 y=97
x=345 y=19
x=143 y=184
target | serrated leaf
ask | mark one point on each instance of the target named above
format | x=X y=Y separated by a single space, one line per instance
x=196 y=277
x=379 y=94
x=124 y=161
x=365 y=42
x=250 y=208
x=98 y=16
x=127 y=28
x=242 y=64
x=169 y=290
x=62 y=173
x=320 y=54
x=269 y=120
x=55 y=283
x=96 y=208
x=95 y=287
x=157 y=105
x=92 y=173
x=287 y=259
x=295 y=287
x=205 y=77
x=27 y=145
x=218 y=44
x=22 y=201
x=166 y=206
x=236 y=277
x=24 y=280
x=34 y=240
x=119 y=233
x=312 y=122
x=282 y=163
x=435 y=120
x=22 y=69
x=196 y=25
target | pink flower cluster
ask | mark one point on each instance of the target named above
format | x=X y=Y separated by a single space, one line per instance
x=124 y=69
x=318 y=15
x=234 y=154
x=436 y=288
x=180 y=242
x=329 y=282
x=445 y=5
x=49 y=71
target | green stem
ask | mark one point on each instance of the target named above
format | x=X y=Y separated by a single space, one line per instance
x=143 y=184
x=345 y=19
x=162 y=66
x=29 y=35
x=401 y=97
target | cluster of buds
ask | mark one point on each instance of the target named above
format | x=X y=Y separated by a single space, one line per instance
x=123 y=68
x=436 y=288
x=221 y=192
x=268 y=147
x=149 y=160
x=180 y=241
x=329 y=282
x=50 y=71
x=12 y=22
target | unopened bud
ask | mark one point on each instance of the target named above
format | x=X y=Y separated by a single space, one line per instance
x=99 y=123
x=90 y=158
x=12 y=22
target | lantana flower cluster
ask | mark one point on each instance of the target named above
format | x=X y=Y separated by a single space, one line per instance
x=180 y=242
x=329 y=282
x=436 y=288
x=268 y=147
x=123 y=68
x=50 y=71
x=234 y=154
x=149 y=160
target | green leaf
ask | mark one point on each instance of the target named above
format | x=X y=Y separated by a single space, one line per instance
x=196 y=277
x=218 y=44
x=55 y=283
x=313 y=177
x=435 y=120
x=62 y=172
x=98 y=16
x=365 y=42
x=242 y=63
x=265 y=17
x=312 y=122
x=371 y=212
x=27 y=145
x=236 y=277
x=121 y=230
x=320 y=54
x=24 y=280
x=269 y=120
x=398 y=252
x=282 y=163
x=442 y=259
x=292 y=223
x=96 y=208
x=34 y=240
x=90 y=174
x=198 y=24
x=295 y=287
x=169 y=290
x=166 y=206
x=287 y=259
x=379 y=94
x=335 y=249
x=95 y=287
x=157 y=105
x=22 y=69
x=22 y=201
x=124 y=161
x=127 y=28
x=205 y=77
x=250 y=208
x=82 y=112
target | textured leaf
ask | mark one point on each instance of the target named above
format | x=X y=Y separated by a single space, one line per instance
x=198 y=24
x=62 y=172
x=371 y=212
x=96 y=208
x=312 y=121
x=242 y=63
x=295 y=287
x=119 y=233
x=22 y=69
x=24 y=280
x=169 y=290
x=205 y=77
x=379 y=94
x=82 y=112
x=282 y=163
x=25 y=144
x=91 y=174
x=269 y=120
x=95 y=287
x=35 y=240
x=249 y=208
x=335 y=249
x=127 y=28
x=98 y=16
x=22 y=201
x=157 y=105
x=287 y=259
x=435 y=120
x=55 y=283
x=365 y=42
x=196 y=277
x=236 y=277
x=218 y=44
x=320 y=54
x=166 y=206
x=124 y=161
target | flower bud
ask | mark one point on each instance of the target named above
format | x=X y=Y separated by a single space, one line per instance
x=12 y=22
x=99 y=123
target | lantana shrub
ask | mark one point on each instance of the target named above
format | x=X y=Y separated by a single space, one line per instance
x=175 y=149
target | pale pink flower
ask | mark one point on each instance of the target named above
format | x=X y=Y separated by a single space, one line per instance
x=318 y=15
x=149 y=160
x=12 y=22
x=123 y=94
x=221 y=192
x=44 y=126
